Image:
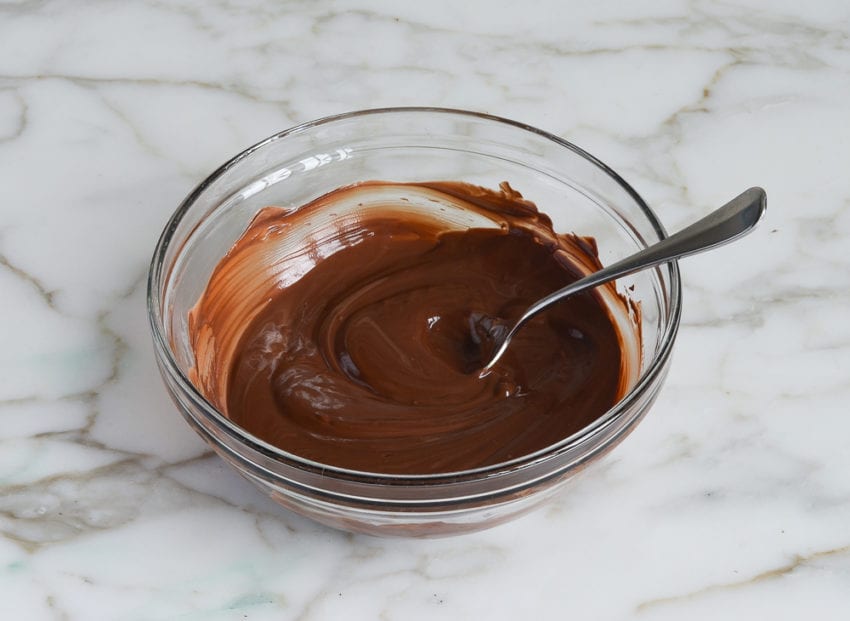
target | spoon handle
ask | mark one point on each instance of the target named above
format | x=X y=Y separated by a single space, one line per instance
x=735 y=219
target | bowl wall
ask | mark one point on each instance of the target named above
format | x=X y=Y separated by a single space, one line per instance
x=579 y=193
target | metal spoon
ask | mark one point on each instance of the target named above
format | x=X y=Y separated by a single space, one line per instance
x=735 y=219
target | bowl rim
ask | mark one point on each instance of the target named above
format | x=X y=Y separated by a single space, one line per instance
x=168 y=362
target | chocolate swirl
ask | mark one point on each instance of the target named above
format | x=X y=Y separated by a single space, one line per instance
x=351 y=331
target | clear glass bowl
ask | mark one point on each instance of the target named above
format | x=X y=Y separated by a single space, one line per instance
x=581 y=195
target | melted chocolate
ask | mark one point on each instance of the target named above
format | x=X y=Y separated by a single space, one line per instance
x=351 y=331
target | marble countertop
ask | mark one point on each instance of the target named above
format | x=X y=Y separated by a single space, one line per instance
x=731 y=500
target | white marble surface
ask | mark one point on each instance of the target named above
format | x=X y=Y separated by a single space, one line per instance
x=732 y=499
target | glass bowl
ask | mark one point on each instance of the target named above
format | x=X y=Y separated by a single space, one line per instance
x=291 y=168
